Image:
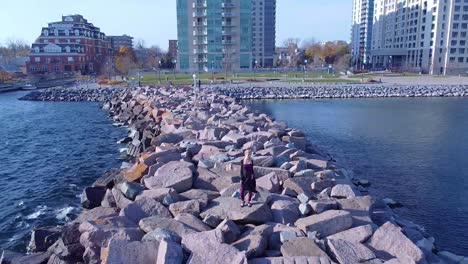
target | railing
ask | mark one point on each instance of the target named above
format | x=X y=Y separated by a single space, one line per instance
x=199 y=14
x=224 y=14
x=227 y=5
x=200 y=33
x=198 y=60
x=200 y=51
x=228 y=42
x=229 y=32
x=199 y=5
x=202 y=24
x=225 y=24
x=203 y=42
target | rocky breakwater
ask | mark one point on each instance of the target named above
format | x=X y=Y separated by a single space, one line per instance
x=296 y=91
x=179 y=201
x=73 y=94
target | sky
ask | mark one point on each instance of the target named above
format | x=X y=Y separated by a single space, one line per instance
x=154 y=21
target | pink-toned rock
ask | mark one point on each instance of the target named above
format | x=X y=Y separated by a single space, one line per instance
x=326 y=223
x=143 y=208
x=175 y=174
x=229 y=208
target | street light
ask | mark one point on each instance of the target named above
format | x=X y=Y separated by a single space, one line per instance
x=175 y=63
x=255 y=66
x=212 y=70
x=139 y=78
x=305 y=67
x=159 y=72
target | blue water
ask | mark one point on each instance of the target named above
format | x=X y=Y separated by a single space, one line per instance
x=412 y=150
x=48 y=153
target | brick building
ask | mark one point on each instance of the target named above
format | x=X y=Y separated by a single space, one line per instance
x=118 y=42
x=69 y=46
x=173 y=48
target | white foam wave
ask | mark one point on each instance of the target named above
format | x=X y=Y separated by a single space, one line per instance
x=122 y=150
x=40 y=210
x=62 y=214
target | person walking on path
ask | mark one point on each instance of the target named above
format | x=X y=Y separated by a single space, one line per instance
x=247 y=178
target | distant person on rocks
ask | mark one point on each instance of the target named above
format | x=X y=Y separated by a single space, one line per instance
x=247 y=178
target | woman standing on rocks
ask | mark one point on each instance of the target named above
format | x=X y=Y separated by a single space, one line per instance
x=247 y=178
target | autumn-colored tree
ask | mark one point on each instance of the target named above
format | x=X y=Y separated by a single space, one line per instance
x=14 y=48
x=4 y=76
x=329 y=53
x=125 y=60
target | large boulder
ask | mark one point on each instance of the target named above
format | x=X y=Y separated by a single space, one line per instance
x=236 y=138
x=192 y=221
x=326 y=223
x=202 y=196
x=93 y=214
x=292 y=260
x=175 y=174
x=191 y=207
x=320 y=206
x=359 y=208
x=152 y=223
x=123 y=252
x=160 y=234
x=161 y=195
x=92 y=197
x=228 y=207
x=301 y=246
x=130 y=189
x=282 y=175
x=253 y=245
x=42 y=238
x=300 y=185
x=170 y=253
x=230 y=230
x=269 y=182
x=357 y=234
x=119 y=198
x=136 y=171
x=108 y=200
x=343 y=191
x=389 y=239
x=143 y=208
x=284 y=211
x=348 y=252
x=209 y=247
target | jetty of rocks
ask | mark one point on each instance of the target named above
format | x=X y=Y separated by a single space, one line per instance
x=73 y=94
x=178 y=201
x=320 y=91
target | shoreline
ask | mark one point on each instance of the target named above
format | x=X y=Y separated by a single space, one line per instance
x=300 y=184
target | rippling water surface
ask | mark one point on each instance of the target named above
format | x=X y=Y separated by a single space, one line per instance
x=412 y=150
x=48 y=153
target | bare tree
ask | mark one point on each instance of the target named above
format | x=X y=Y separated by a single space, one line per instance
x=140 y=44
x=293 y=45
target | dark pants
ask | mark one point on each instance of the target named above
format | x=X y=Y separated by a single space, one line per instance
x=242 y=194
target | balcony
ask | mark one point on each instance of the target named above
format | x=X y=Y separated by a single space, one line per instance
x=197 y=42
x=227 y=15
x=200 y=60
x=199 y=14
x=200 y=33
x=227 y=5
x=199 y=5
x=201 y=24
x=228 y=51
x=200 y=51
x=229 y=32
x=226 y=24
x=228 y=42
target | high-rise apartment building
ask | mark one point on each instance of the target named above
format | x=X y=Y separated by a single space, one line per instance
x=118 y=42
x=427 y=36
x=263 y=32
x=214 y=35
x=361 y=32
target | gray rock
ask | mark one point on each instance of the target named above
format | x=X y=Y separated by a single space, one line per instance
x=320 y=206
x=285 y=212
x=34 y=258
x=305 y=173
x=292 y=260
x=287 y=235
x=269 y=182
x=300 y=185
x=143 y=208
x=190 y=207
x=208 y=247
x=229 y=208
x=280 y=173
x=322 y=185
x=42 y=238
x=316 y=164
x=286 y=166
x=263 y=161
x=359 y=207
x=159 y=234
x=108 y=200
x=253 y=245
x=348 y=252
x=92 y=197
x=358 y=234
x=192 y=222
x=160 y=194
x=202 y=196
x=230 y=230
x=301 y=246
x=130 y=189
x=343 y=191
x=120 y=200
x=326 y=223
x=389 y=238
x=212 y=220
x=304 y=209
x=175 y=174
x=303 y=198
x=98 y=212
x=122 y=252
x=154 y=222
x=170 y=253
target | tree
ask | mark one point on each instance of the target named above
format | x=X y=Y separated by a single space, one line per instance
x=4 y=76
x=293 y=48
x=14 y=48
x=330 y=52
x=125 y=60
x=140 y=44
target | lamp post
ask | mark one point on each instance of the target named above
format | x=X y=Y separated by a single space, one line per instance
x=305 y=68
x=255 y=67
x=139 y=78
x=159 y=72
x=175 y=63
x=212 y=70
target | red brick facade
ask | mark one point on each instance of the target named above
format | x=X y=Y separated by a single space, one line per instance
x=72 y=45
